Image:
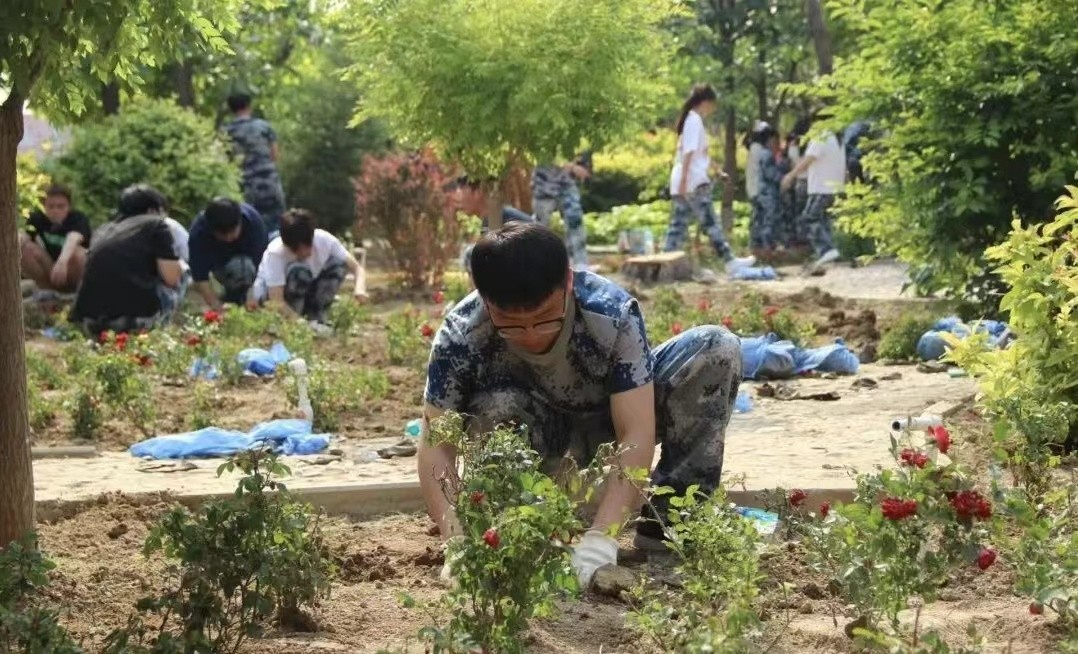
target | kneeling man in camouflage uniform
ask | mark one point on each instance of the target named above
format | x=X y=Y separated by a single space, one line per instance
x=566 y=354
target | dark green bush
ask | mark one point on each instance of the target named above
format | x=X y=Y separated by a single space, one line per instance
x=154 y=142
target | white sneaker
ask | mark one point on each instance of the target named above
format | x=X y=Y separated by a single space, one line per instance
x=827 y=257
x=743 y=262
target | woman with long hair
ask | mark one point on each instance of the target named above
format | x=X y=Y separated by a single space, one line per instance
x=690 y=186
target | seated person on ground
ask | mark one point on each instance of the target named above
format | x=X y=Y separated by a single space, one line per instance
x=566 y=354
x=134 y=279
x=227 y=241
x=303 y=269
x=54 y=243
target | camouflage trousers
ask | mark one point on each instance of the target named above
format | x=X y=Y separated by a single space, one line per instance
x=236 y=276
x=309 y=295
x=815 y=222
x=697 y=375
x=168 y=298
x=572 y=214
x=699 y=205
x=266 y=195
x=765 y=226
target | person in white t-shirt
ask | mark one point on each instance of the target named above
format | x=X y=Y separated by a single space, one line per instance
x=690 y=186
x=825 y=163
x=303 y=268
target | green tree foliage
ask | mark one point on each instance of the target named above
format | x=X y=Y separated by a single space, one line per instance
x=492 y=82
x=152 y=141
x=321 y=153
x=975 y=105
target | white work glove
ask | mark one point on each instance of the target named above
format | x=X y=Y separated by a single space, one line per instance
x=594 y=550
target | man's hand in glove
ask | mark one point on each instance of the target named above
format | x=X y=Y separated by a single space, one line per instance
x=594 y=550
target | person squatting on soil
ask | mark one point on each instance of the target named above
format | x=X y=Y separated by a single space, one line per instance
x=554 y=188
x=303 y=268
x=825 y=164
x=255 y=143
x=54 y=243
x=690 y=185
x=227 y=240
x=135 y=276
x=566 y=354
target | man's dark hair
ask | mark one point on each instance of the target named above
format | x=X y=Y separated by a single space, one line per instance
x=239 y=102
x=222 y=215
x=58 y=191
x=141 y=199
x=519 y=265
x=297 y=228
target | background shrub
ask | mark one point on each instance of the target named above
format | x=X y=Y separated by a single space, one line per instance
x=402 y=198
x=151 y=141
x=30 y=184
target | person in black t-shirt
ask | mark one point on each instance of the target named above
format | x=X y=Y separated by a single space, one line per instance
x=54 y=243
x=133 y=279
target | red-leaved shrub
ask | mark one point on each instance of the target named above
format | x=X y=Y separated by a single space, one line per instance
x=402 y=198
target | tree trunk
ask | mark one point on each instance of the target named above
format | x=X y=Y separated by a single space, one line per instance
x=110 y=98
x=729 y=166
x=494 y=205
x=16 y=469
x=182 y=75
x=821 y=36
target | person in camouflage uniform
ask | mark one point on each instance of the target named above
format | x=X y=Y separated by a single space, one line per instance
x=255 y=143
x=566 y=355
x=770 y=225
x=555 y=188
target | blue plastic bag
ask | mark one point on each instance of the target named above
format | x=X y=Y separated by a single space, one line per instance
x=835 y=358
x=288 y=436
x=203 y=369
x=743 y=403
x=264 y=362
x=754 y=273
x=766 y=357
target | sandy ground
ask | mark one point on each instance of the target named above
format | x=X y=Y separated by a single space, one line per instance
x=792 y=443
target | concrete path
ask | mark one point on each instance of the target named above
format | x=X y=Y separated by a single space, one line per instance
x=794 y=443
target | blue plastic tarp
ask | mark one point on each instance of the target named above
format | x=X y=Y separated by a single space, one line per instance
x=933 y=345
x=288 y=436
x=767 y=357
x=754 y=273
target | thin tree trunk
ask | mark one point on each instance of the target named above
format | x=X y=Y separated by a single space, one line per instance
x=729 y=166
x=821 y=36
x=16 y=469
x=110 y=98
x=183 y=83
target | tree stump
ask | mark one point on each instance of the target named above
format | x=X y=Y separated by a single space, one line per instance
x=652 y=268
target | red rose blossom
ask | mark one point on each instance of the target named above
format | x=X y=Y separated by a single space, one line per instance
x=728 y=322
x=193 y=340
x=914 y=458
x=144 y=360
x=211 y=316
x=675 y=329
x=426 y=330
x=1036 y=608
x=969 y=504
x=438 y=297
x=942 y=438
x=770 y=312
x=825 y=509
x=103 y=337
x=490 y=537
x=704 y=304
x=895 y=508
x=477 y=497
x=797 y=497
x=986 y=558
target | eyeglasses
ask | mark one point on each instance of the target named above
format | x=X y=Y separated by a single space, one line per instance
x=544 y=328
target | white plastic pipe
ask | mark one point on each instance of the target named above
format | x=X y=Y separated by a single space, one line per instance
x=303 y=402
x=920 y=422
